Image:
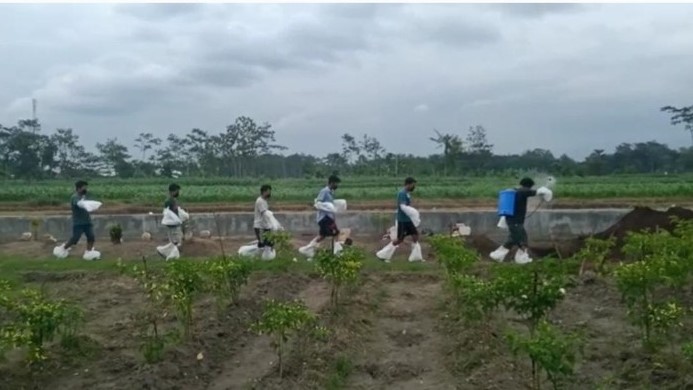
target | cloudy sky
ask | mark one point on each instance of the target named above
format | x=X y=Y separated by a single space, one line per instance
x=570 y=78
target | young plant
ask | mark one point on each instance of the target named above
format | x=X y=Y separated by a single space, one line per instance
x=280 y=239
x=153 y=338
x=280 y=320
x=225 y=279
x=116 y=233
x=550 y=351
x=339 y=270
x=596 y=252
x=475 y=299
x=183 y=283
x=451 y=252
x=531 y=290
x=687 y=351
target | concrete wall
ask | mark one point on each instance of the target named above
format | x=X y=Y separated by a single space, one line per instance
x=542 y=225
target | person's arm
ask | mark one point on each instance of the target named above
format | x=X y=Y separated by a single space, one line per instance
x=262 y=207
x=173 y=206
x=402 y=199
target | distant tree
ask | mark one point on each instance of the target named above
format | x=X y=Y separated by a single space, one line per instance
x=146 y=142
x=452 y=147
x=114 y=157
x=683 y=115
x=350 y=148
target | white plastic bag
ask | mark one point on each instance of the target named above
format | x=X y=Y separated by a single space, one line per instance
x=92 y=255
x=272 y=222
x=522 y=257
x=338 y=247
x=60 y=252
x=268 y=254
x=340 y=205
x=416 y=254
x=89 y=205
x=170 y=218
x=393 y=232
x=412 y=213
x=545 y=193
x=308 y=250
x=183 y=215
x=499 y=254
x=387 y=252
x=326 y=207
x=168 y=251
x=502 y=223
x=175 y=253
x=250 y=250
x=462 y=230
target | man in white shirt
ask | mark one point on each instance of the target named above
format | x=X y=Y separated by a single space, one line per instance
x=260 y=223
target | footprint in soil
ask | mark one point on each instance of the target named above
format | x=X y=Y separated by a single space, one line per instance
x=406 y=338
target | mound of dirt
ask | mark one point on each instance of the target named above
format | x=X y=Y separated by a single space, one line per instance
x=644 y=219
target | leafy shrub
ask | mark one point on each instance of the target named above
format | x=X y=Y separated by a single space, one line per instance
x=339 y=270
x=225 y=278
x=116 y=233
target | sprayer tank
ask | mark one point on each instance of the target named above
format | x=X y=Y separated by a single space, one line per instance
x=506 y=203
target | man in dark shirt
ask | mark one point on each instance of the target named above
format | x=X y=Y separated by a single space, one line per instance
x=174 y=232
x=517 y=235
x=81 y=220
x=405 y=226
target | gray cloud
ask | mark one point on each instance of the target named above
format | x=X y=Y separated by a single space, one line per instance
x=565 y=77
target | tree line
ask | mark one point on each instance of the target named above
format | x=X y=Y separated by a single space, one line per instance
x=249 y=149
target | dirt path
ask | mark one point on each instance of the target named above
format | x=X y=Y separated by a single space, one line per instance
x=404 y=351
x=258 y=358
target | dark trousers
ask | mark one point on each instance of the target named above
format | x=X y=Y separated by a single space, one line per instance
x=517 y=235
x=78 y=230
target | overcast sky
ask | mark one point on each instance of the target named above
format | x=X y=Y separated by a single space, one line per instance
x=570 y=78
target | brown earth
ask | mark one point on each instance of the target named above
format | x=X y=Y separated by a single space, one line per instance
x=394 y=332
x=23 y=208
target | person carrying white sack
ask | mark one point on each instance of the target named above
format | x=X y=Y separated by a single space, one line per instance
x=517 y=235
x=81 y=224
x=326 y=217
x=407 y=223
x=173 y=218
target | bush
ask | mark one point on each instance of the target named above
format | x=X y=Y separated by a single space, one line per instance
x=225 y=277
x=339 y=270
x=116 y=233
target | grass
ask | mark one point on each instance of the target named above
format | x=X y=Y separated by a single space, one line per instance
x=341 y=370
x=213 y=190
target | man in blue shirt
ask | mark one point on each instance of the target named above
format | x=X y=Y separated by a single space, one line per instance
x=81 y=222
x=327 y=225
x=405 y=226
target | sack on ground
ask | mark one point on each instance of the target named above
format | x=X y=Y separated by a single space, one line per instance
x=416 y=254
x=338 y=247
x=387 y=252
x=89 y=205
x=326 y=207
x=340 y=205
x=269 y=253
x=250 y=250
x=92 y=255
x=170 y=218
x=502 y=223
x=412 y=213
x=166 y=250
x=307 y=251
x=175 y=253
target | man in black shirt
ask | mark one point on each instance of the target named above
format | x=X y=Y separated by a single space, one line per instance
x=517 y=234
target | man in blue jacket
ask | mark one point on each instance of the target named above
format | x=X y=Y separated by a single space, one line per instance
x=327 y=224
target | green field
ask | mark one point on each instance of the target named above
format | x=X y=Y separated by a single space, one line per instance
x=222 y=190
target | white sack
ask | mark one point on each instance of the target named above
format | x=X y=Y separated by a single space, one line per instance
x=340 y=205
x=92 y=255
x=170 y=218
x=272 y=222
x=269 y=253
x=462 y=230
x=168 y=251
x=412 y=213
x=309 y=250
x=393 y=232
x=326 y=207
x=89 y=205
x=60 y=252
x=250 y=250
x=416 y=254
x=545 y=193
x=337 y=248
x=502 y=223
x=183 y=215
x=387 y=252
x=175 y=253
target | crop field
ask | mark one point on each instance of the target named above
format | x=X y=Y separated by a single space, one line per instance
x=355 y=189
x=609 y=312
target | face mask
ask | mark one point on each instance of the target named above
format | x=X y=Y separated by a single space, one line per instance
x=83 y=192
x=268 y=196
x=176 y=195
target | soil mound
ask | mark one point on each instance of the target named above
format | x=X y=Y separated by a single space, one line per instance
x=644 y=219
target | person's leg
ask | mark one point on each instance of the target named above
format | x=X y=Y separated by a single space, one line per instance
x=258 y=236
x=522 y=255
x=89 y=232
x=413 y=232
x=76 y=235
x=265 y=240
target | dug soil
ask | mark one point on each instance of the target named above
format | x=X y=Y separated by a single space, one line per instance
x=393 y=331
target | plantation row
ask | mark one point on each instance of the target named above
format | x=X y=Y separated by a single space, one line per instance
x=353 y=188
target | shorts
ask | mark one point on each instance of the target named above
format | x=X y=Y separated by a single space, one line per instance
x=328 y=227
x=517 y=235
x=78 y=230
x=406 y=229
x=261 y=240
x=175 y=234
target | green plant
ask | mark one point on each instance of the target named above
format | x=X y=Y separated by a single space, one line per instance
x=531 y=290
x=153 y=339
x=340 y=372
x=280 y=320
x=550 y=351
x=687 y=351
x=475 y=298
x=183 y=283
x=116 y=233
x=225 y=279
x=35 y=225
x=280 y=239
x=339 y=270
x=595 y=251
x=451 y=252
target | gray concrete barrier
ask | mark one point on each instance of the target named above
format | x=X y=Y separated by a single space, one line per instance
x=544 y=225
